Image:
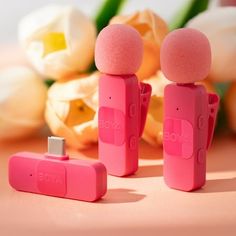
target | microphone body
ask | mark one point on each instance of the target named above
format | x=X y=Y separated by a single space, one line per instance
x=119 y=119
x=189 y=111
x=123 y=100
x=185 y=136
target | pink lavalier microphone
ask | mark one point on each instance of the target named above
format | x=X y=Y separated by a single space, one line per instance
x=54 y=174
x=123 y=101
x=189 y=111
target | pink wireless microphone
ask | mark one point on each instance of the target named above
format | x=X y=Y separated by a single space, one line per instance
x=54 y=174
x=123 y=101
x=189 y=111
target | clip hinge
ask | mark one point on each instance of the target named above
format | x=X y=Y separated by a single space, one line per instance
x=213 y=106
x=145 y=95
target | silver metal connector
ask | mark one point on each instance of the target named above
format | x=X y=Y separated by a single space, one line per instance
x=56 y=146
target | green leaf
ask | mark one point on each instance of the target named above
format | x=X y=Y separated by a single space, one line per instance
x=222 y=88
x=187 y=12
x=108 y=9
x=222 y=122
x=49 y=82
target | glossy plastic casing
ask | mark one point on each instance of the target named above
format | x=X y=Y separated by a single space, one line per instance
x=74 y=179
x=189 y=120
x=123 y=106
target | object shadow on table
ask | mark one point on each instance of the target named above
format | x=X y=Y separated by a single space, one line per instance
x=121 y=195
x=146 y=171
x=221 y=155
x=219 y=185
x=146 y=151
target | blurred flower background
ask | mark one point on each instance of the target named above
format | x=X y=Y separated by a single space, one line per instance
x=48 y=77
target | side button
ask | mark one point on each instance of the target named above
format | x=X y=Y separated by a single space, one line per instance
x=201 y=156
x=132 y=110
x=133 y=142
x=201 y=122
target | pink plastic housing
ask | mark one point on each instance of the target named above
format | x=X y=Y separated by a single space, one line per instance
x=122 y=115
x=118 y=123
x=74 y=179
x=189 y=120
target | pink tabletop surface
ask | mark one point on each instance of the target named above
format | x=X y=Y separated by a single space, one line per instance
x=137 y=205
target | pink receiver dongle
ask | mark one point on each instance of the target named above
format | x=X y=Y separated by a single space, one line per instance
x=189 y=111
x=54 y=174
x=123 y=101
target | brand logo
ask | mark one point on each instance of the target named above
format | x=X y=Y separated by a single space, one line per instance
x=108 y=124
x=174 y=137
x=50 y=178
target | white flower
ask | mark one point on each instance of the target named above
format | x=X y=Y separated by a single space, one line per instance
x=59 y=40
x=219 y=25
x=22 y=102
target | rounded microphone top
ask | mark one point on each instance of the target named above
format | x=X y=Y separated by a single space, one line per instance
x=118 y=50
x=185 y=56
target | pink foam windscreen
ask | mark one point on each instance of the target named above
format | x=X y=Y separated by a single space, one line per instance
x=119 y=50
x=185 y=56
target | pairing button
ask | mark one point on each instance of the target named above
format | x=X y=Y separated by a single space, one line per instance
x=201 y=122
x=133 y=142
x=132 y=110
x=201 y=156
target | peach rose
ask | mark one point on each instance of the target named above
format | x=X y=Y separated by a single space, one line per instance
x=154 y=122
x=71 y=110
